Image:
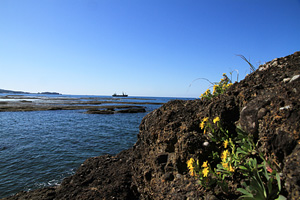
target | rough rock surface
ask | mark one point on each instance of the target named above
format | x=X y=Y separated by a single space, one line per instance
x=266 y=103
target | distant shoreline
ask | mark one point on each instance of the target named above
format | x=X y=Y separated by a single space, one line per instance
x=2 y=91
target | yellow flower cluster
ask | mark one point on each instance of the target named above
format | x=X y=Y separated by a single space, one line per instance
x=215 y=89
x=206 y=93
x=225 y=78
x=224 y=157
x=218 y=88
x=190 y=165
x=229 y=84
x=225 y=165
x=228 y=168
x=226 y=86
x=205 y=170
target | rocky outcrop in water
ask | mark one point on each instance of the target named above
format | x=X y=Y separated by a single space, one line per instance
x=133 y=109
x=266 y=104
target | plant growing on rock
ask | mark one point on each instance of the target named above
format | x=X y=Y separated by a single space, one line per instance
x=218 y=88
x=260 y=182
x=225 y=82
x=236 y=155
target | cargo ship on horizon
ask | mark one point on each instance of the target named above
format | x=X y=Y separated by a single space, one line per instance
x=120 y=95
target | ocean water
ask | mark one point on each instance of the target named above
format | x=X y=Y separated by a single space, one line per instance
x=40 y=148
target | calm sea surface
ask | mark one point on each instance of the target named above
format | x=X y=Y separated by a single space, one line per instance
x=40 y=148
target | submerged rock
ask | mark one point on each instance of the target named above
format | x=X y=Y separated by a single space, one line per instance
x=132 y=110
x=113 y=111
x=97 y=111
x=155 y=168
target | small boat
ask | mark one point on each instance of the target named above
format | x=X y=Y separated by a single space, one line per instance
x=120 y=95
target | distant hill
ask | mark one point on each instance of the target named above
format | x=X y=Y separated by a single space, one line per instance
x=21 y=92
x=13 y=92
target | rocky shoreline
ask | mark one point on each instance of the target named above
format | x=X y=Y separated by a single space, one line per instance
x=20 y=103
x=266 y=103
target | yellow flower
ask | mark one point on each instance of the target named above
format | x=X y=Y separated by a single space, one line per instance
x=229 y=84
x=205 y=172
x=203 y=122
x=192 y=172
x=231 y=169
x=207 y=92
x=190 y=163
x=224 y=155
x=204 y=165
x=202 y=125
x=215 y=87
x=225 y=165
x=202 y=95
x=217 y=119
x=225 y=143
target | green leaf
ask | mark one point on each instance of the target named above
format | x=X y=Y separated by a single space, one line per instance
x=281 y=198
x=270 y=186
x=244 y=184
x=259 y=187
x=254 y=161
x=243 y=168
x=265 y=171
x=260 y=166
x=239 y=150
x=248 y=198
x=245 y=192
x=278 y=181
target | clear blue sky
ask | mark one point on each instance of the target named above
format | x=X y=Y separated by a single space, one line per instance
x=141 y=47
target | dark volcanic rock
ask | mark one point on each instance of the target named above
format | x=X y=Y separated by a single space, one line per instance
x=105 y=177
x=266 y=104
x=97 y=111
x=132 y=110
x=112 y=111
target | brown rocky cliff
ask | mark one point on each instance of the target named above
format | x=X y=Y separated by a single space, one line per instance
x=266 y=104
